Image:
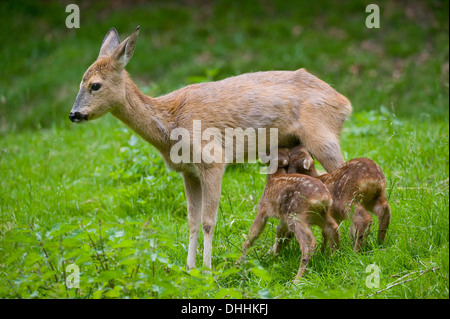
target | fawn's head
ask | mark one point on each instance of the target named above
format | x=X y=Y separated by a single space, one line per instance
x=300 y=161
x=278 y=160
x=282 y=160
x=283 y=157
x=103 y=85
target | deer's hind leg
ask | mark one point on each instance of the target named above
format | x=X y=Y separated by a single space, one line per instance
x=322 y=144
x=307 y=244
x=211 y=181
x=257 y=227
x=361 y=224
x=383 y=211
x=330 y=233
x=283 y=235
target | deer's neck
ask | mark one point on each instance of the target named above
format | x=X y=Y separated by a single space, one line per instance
x=144 y=115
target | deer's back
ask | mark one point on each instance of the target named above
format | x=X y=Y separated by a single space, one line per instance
x=296 y=194
x=260 y=99
x=359 y=178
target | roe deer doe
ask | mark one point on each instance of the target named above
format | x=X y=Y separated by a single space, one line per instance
x=357 y=187
x=302 y=108
x=298 y=201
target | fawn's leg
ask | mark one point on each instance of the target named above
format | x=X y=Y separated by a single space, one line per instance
x=211 y=179
x=281 y=237
x=257 y=227
x=307 y=244
x=361 y=223
x=193 y=191
x=330 y=232
x=383 y=211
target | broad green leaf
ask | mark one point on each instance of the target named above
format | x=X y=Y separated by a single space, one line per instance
x=108 y=275
x=123 y=243
x=97 y=294
x=132 y=261
x=70 y=242
x=31 y=259
x=115 y=293
x=229 y=271
x=228 y=292
x=15 y=255
x=261 y=273
x=264 y=293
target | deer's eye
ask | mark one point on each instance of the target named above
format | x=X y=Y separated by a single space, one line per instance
x=95 y=86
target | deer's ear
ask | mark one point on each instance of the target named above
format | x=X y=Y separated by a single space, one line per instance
x=307 y=163
x=110 y=43
x=125 y=50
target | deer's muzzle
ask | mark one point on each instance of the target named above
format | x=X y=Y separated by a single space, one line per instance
x=77 y=117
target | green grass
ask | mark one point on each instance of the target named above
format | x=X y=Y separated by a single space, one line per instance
x=54 y=189
x=97 y=196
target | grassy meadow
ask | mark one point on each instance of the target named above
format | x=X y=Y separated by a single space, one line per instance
x=99 y=197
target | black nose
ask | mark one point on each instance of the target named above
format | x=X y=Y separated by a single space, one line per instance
x=77 y=116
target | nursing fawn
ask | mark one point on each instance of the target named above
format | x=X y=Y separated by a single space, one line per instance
x=299 y=202
x=357 y=187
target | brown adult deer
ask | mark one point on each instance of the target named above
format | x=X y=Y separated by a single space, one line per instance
x=358 y=187
x=302 y=108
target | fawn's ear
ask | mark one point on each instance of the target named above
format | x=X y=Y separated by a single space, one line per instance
x=125 y=50
x=307 y=163
x=110 y=43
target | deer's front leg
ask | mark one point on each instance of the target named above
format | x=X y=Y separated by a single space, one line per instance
x=193 y=189
x=211 y=185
